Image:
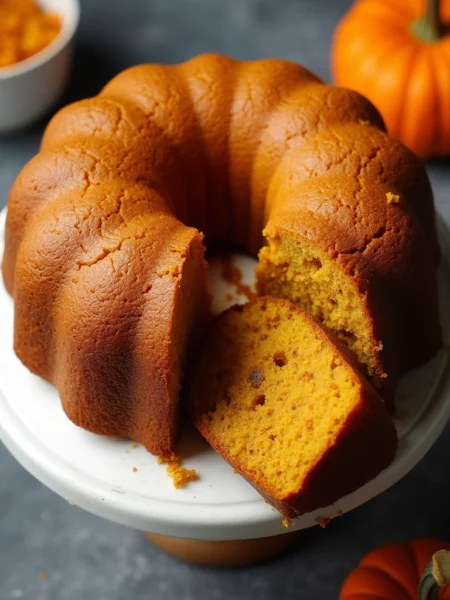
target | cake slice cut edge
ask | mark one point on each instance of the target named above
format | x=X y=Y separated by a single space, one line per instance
x=281 y=400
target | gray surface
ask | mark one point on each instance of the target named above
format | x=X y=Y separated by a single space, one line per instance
x=92 y=559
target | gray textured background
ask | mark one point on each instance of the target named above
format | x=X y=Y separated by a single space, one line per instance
x=90 y=559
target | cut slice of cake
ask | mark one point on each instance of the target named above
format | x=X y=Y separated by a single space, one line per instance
x=279 y=398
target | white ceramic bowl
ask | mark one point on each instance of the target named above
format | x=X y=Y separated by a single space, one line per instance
x=31 y=87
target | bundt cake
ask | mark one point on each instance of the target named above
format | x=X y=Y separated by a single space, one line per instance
x=105 y=260
x=287 y=408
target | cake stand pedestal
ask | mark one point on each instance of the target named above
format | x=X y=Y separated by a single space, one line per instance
x=120 y=481
x=229 y=553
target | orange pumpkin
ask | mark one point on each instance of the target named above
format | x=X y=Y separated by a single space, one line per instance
x=397 y=53
x=394 y=572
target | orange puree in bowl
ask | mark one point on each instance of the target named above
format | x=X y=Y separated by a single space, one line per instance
x=25 y=29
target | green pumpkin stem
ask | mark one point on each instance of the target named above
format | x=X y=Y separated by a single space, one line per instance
x=436 y=576
x=429 y=28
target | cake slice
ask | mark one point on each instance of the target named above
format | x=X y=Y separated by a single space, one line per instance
x=279 y=398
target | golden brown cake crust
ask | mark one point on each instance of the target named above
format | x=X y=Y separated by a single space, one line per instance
x=227 y=148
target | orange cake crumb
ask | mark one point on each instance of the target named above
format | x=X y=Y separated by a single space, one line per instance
x=25 y=29
x=172 y=458
x=180 y=475
x=392 y=198
x=134 y=469
x=42 y=576
x=323 y=521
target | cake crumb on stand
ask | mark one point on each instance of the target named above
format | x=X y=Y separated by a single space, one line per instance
x=323 y=521
x=286 y=522
x=179 y=474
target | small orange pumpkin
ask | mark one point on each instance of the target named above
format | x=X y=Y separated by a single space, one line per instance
x=397 y=53
x=393 y=572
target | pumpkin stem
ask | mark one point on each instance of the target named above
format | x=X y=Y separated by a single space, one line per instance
x=429 y=28
x=436 y=576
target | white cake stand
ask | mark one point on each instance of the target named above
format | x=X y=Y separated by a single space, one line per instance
x=98 y=474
